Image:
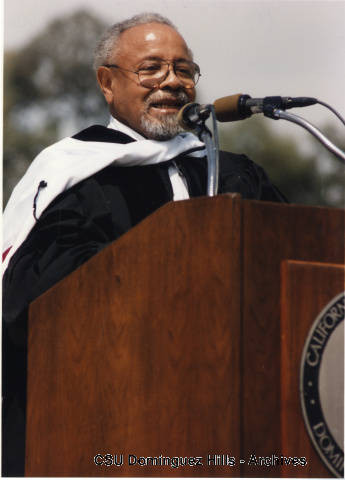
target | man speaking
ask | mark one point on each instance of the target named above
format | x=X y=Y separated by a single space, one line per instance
x=85 y=191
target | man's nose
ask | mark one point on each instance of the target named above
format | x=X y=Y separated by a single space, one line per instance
x=171 y=80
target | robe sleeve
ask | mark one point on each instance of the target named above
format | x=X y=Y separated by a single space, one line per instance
x=72 y=229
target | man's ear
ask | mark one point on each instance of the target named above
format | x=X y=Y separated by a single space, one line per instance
x=106 y=82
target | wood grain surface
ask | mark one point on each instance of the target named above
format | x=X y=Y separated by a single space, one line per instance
x=168 y=342
x=306 y=289
x=138 y=354
x=271 y=233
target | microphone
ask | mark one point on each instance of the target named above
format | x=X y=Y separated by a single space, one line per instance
x=237 y=107
x=191 y=114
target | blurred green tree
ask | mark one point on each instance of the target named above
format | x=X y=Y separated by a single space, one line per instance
x=50 y=90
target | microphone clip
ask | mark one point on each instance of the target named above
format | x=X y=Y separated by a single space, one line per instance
x=271 y=104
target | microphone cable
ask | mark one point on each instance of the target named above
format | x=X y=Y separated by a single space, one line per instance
x=333 y=110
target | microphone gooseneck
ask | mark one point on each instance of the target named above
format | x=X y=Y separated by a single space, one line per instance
x=192 y=117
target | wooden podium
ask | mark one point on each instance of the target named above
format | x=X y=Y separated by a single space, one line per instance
x=169 y=343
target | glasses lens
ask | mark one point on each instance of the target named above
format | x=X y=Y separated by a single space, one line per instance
x=187 y=72
x=152 y=73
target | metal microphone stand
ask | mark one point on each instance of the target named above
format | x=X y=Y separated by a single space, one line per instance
x=212 y=147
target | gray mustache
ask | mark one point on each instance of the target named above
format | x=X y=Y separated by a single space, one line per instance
x=180 y=97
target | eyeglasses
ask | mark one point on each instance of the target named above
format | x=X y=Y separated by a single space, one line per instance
x=152 y=73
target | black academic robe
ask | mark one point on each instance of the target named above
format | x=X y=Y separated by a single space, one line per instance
x=75 y=226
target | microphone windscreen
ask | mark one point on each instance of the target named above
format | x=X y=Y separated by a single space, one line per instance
x=226 y=108
x=182 y=121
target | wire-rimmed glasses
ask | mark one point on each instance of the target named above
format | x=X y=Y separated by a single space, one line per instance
x=152 y=73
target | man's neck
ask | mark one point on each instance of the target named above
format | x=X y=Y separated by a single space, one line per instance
x=117 y=125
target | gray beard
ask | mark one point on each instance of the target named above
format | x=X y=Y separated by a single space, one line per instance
x=160 y=129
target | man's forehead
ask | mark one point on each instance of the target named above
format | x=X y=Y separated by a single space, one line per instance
x=152 y=39
x=150 y=36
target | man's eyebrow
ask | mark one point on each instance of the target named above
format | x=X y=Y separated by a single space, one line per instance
x=154 y=57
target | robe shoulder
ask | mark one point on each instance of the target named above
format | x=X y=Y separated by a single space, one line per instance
x=240 y=174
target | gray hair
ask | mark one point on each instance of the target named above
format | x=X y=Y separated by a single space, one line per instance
x=109 y=40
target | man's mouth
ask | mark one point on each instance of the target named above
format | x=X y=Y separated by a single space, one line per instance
x=167 y=105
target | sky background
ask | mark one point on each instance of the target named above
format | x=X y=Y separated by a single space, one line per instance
x=287 y=48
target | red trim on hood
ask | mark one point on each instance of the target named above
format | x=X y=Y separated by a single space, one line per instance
x=4 y=255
